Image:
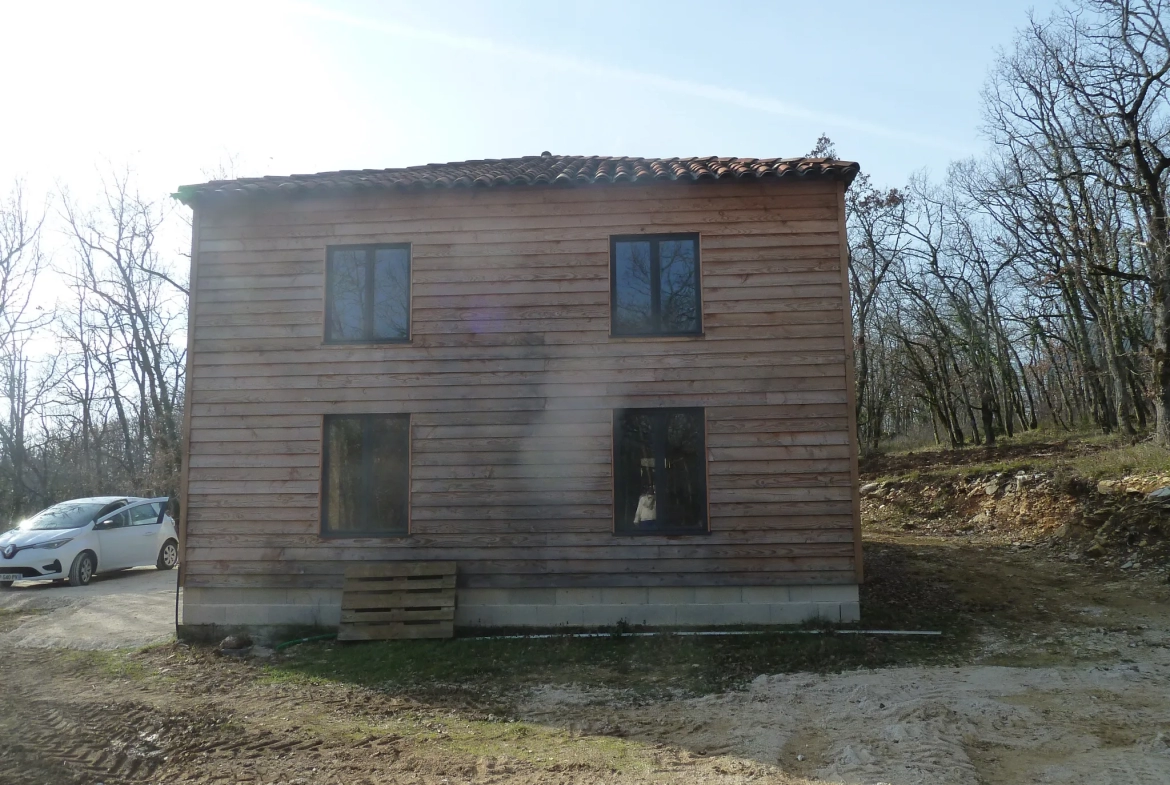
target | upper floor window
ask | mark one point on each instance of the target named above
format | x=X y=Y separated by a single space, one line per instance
x=654 y=280
x=367 y=294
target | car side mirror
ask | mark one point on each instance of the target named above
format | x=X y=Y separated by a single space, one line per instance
x=106 y=524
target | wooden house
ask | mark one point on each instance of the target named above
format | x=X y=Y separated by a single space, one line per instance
x=605 y=388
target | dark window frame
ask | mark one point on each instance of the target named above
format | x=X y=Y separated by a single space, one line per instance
x=367 y=471
x=655 y=241
x=659 y=449
x=368 y=304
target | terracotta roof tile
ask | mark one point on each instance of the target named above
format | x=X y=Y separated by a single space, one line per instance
x=531 y=170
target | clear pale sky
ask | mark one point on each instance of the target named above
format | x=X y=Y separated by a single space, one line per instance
x=175 y=89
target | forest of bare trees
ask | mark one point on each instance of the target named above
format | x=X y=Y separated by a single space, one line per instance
x=92 y=348
x=1026 y=288
x=1031 y=286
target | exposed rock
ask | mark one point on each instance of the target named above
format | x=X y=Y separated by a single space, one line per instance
x=1108 y=486
x=1161 y=496
x=992 y=488
x=870 y=488
x=235 y=643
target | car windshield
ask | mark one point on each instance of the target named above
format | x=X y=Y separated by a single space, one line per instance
x=66 y=515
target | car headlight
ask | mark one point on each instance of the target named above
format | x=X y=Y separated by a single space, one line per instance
x=52 y=544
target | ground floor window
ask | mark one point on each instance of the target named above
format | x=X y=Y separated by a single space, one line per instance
x=660 y=471
x=365 y=475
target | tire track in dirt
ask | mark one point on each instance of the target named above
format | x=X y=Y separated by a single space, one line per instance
x=64 y=729
x=50 y=739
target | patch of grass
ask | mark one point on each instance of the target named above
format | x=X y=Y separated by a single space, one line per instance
x=116 y=664
x=1143 y=458
x=651 y=665
x=543 y=746
x=1097 y=457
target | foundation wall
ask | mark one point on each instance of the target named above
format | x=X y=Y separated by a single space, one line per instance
x=713 y=606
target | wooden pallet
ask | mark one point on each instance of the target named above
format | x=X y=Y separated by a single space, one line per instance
x=398 y=600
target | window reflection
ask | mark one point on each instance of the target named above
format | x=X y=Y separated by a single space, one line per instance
x=391 y=293
x=633 y=312
x=655 y=285
x=347 y=271
x=677 y=286
x=659 y=471
x=368 y=293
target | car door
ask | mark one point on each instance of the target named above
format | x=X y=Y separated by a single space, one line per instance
x=146 y=523
x=116 y=541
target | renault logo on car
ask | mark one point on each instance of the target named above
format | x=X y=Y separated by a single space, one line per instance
x=9 y=551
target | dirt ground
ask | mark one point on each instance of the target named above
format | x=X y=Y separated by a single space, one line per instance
x=1055 y=669
x=116 y=610
x=1067 y=679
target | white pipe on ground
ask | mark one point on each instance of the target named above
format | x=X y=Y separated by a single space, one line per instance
x=701 y=632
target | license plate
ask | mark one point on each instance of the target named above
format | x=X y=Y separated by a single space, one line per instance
x=11 y=576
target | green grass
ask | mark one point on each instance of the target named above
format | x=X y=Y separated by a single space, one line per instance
x=660 y=664
x=115 y=664
x=1102 y=457
x=1143 y=458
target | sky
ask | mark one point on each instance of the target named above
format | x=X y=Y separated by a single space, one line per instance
x=183 y=91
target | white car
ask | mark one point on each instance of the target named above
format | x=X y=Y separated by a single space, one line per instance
x=76 y=539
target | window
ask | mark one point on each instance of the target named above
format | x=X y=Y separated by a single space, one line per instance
x=660 y=471
x=145 y=514
x=654 y=281
x=365 y=483
x=367 y=294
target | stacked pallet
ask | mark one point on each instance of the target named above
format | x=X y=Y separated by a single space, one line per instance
x=398 y=600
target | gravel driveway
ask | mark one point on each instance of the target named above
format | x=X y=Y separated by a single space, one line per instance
x=116 y=610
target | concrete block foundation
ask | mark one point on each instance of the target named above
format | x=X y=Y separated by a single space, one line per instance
x=704 y=607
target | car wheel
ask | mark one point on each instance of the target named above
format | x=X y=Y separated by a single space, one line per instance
x=168 y=557
x=82 y=569
x=6 y=584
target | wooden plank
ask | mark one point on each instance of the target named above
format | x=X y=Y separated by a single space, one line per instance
x=324 y=370
x=591 y=348
x=404 y=599
x=404 y=569
x=223 y=576
x=419 y=403
x=223 y=534
x=629 y=551
x=422 y=226
x=555 y=388
x=508 y=232
x=387 y=600
x=802 y=367
x=401 y=614
x=398 y=583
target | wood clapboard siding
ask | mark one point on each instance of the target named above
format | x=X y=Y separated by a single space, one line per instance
x=511 y=378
